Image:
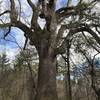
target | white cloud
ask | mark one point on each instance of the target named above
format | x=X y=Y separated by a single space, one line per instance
x=11 y=53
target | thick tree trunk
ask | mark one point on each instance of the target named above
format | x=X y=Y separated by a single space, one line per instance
x=46 y=88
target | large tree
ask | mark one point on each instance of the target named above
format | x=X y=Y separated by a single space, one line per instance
x=61 y=25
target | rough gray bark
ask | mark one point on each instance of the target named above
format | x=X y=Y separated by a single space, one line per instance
x=46 y=88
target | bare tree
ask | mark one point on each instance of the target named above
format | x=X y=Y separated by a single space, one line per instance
x=51 y=41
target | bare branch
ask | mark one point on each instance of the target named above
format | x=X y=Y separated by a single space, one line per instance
x=51 y=3
x=8 y=31
x=60 y=34
x=25 y=43
x=20 y=8
x=14 y=13
x=79 y=9
x=89 y=30
x=5 y=12
x=30 y=34
x=90 y=43
x=34 y=24
x=31 y=4
x=65 y=12
x=69 y=3
x=3 y=25
x=62 y=48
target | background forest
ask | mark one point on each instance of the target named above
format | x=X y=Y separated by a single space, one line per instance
x=78 y=81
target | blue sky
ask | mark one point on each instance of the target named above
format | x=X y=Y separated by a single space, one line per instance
x=61 y=3
x=15 y=35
